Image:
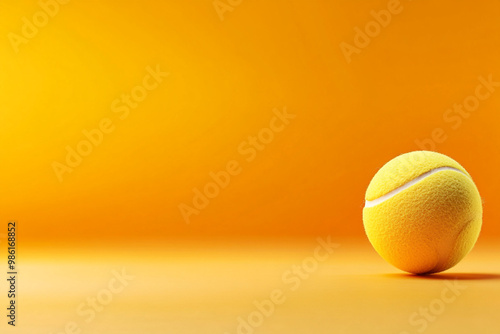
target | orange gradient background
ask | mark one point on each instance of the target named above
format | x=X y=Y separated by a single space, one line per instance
x=225 y=79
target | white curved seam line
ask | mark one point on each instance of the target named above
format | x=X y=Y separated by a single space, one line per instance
x=383 y=198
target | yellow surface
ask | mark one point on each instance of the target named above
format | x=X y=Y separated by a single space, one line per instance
x=204 y=288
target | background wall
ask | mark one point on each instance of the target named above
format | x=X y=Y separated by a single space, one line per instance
x=358 y=102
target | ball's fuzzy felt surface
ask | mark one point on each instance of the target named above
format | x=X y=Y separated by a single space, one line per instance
x=423 y=212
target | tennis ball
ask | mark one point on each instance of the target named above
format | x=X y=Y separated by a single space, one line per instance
x=423 y=212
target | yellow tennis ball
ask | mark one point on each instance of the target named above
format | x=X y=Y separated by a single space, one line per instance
x=423 y=212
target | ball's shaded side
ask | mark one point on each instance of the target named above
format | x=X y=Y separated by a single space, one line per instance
x=423 y=212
